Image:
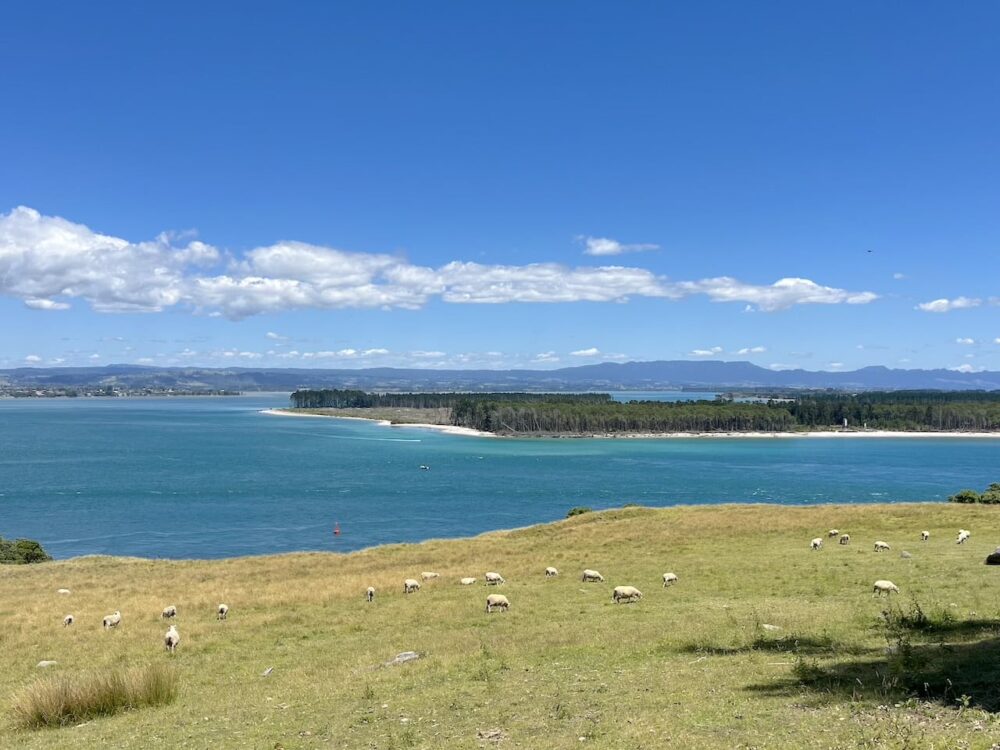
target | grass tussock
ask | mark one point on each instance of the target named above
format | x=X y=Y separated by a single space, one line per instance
x=64 y=699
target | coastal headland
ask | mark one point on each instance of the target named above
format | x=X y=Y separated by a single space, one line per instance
x=761 y=640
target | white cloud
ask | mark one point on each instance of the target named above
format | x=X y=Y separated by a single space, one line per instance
x=996 y=340
x=705 y=352
x=780 y=295
x=32 y=359
x=607 y=246
x=967 y=368
x=45 y=304
x=545 y=357
x=591 y=352
x=752 y=350
x=944 y=305
x=899 y=276
x=835 y=365
x=377 y=352
x=275 y=336
x=780 y=366
x=46 y=261
x=95 y=355
x=428 y=355
x=965 y=341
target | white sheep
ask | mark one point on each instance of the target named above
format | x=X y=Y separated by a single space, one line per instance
x=370 y=594
x=410 y=585
x=494 y=579
x=882 y=547
x=169 y=612
x=113 y=620
x=467 y=581
x=833 y=532
x=222 y=612
x=963 y=536
x=816 y=543
x=427 y=575
x=68 y=620
x=884 y=587
x=497 y=601
x=925 y=535
x=591 y=576
x=669 y=578
x=551 y=572
x=845 y=539
x=171 y=639
x=625 y=594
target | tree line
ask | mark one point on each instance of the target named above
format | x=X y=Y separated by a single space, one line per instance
x=332 y=398
x=597 y=413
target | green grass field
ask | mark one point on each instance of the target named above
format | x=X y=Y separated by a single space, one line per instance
x=690 y=666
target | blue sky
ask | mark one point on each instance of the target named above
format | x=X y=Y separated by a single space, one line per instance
x=517 y=184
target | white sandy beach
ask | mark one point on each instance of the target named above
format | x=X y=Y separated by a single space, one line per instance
x=468 y=432
x=446 y=428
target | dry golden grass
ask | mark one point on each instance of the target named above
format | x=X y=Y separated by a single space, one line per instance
x=687 y=666
x=71 y=698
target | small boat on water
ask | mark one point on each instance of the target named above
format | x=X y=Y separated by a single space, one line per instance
x=424 y=467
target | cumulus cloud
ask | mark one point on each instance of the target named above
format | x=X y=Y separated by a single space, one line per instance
x=899 y=276
x=967 y=368
x=545 y=357
x=591 y=352
x=780 y=295
x=705 y=352
x=32 y=359
x=47 y=261
x=944 y=305
x=752 y=350
x=608 y=246
x=965 y=341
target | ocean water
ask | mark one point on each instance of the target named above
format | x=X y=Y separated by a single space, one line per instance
x=213 y=477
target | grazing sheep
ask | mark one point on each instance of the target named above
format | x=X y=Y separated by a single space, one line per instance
x=410 y=585
x=169 y=612
x=592 y=576
x=113 y=620
x=669 y=578
x=467 y=581
x=882 y=547
x=833 y=532
x=426 y=575
x=370 y=594
x=494 y=579
x=223 y=611
x=816 y=543
x=625 y=594
x=963 y=536
x=924 y=536
x=884 y=587
x=497 y=601
x=68 y=620
x=551 y=572
x=845 y=539
x=171 y=639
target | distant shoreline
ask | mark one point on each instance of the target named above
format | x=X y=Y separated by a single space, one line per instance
x=468 y=432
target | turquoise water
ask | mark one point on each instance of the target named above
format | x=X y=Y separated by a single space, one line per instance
x=212 y=477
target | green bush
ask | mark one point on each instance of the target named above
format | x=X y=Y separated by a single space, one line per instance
x=990 y=497
x=21 y=551
x=578 y=511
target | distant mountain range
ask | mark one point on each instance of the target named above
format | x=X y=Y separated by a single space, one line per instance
x=659 y=375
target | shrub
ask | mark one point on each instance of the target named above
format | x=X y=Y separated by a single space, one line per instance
x=578 y=511
x=22 y=551
x=965 y=496
x=68 y=699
